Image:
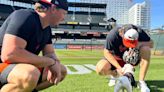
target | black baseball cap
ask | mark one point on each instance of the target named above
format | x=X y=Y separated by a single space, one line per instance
x=59 y=3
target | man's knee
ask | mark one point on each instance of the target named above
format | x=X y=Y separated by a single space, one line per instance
x=29 y=78
x=145 y=49
x=145 y=52
x=103 y=67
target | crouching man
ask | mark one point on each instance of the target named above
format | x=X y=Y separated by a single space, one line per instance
x=117 y=42
x=23 y=35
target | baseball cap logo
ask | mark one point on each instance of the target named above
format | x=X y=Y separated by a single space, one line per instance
x=49 y=0
x=132 y=38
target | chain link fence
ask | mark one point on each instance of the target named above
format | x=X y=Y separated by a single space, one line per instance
x=158 y=44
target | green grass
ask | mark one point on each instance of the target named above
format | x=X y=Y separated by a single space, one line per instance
x=95 y=83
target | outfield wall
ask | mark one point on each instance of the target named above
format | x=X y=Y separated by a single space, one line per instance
x=158 y=41
x=90 y=44
x=99 y=43
x=78 y=46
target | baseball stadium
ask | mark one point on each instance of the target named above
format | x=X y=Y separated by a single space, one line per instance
x=79 y=42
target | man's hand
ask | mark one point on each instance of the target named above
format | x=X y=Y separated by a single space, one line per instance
x=54 y=73
x=120 y=71
x=132 y=56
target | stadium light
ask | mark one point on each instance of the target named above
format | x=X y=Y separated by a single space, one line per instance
x=73 y=15
x=89 y=18
x=89 y=14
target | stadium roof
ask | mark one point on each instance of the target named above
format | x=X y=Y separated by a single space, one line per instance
x=91 y=5
x=24 y=1
x=86 y=13
x=71 y=4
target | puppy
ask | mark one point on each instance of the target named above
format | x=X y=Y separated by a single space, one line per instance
x=127 y=81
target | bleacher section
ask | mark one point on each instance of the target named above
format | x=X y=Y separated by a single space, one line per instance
x=80 y=28
x=5 y=10
x=77 y=24
x=82 y=17
x=79 y=41
x=17 y=7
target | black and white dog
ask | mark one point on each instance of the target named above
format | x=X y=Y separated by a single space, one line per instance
x=127 y=81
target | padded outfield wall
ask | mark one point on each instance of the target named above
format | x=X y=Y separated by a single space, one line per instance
x=78 y=46
x=157 y=38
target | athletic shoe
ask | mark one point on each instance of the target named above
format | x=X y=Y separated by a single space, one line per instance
x=143 y=86
x=112 y=81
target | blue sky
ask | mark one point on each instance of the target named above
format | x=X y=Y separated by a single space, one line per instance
x=157 y=13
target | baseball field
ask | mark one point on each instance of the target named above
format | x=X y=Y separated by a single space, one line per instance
x=83 y=78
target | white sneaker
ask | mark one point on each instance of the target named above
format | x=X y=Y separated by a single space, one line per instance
x=112 y=81
x=143 y=86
